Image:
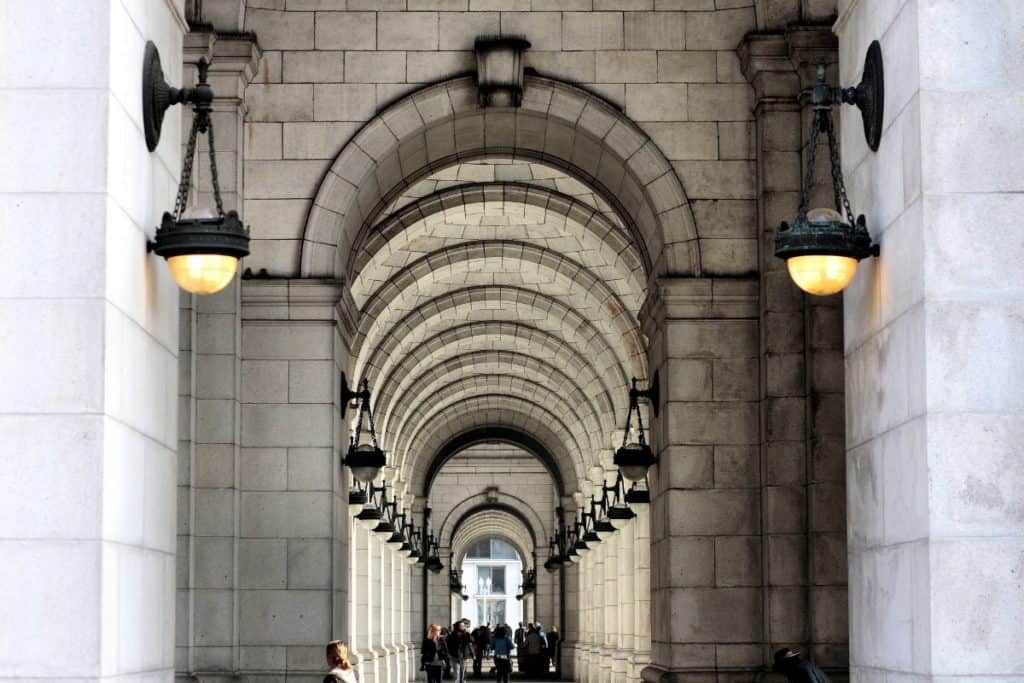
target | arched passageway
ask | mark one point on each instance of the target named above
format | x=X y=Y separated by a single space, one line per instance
x=494 y=289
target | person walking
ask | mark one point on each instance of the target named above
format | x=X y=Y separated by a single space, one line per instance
x=503 y=654
x=534 y=650
x=433 y=654
x=460 y=648
x=553 y=639
x=342 y=670
x=520 y=641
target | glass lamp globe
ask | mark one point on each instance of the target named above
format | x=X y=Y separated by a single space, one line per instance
x=202 y=273
x=822 y=274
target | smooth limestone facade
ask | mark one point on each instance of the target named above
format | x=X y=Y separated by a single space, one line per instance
x=835 y=474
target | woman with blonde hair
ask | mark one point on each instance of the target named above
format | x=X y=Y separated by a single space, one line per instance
x=342 y=670
x=433 y=654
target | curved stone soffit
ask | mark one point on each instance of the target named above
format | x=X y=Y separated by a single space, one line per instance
x=558 y=124
x=422 y=387
x=506 y=502
x=583 y=427
x=551 y=322
x=565 y=275
x=454 y=416
x=617 y=247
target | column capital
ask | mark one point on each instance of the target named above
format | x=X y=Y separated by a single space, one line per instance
x=290 y=299
x=781 y=64
x=233 y=58
x=673 y=298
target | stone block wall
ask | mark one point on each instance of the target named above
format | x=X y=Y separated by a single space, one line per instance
x=671 y=67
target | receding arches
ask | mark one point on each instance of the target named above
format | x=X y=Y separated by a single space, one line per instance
x=534 y=215
x=510 y=435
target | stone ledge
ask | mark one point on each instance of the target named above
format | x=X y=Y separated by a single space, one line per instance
x=698 y=298
x=292 y=299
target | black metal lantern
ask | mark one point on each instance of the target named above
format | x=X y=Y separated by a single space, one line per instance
x=357 y=499
x=202 y=247
x=823 y=246
x=529 y=584
x=433 y=561
x=369 y=517
x=619 y=512
x=581 y=546
x=634 y=458
x=555 y=558
x=638 y=495
x=364 y=457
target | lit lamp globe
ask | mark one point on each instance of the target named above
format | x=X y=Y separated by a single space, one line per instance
x=822 y=250
x=202 y=249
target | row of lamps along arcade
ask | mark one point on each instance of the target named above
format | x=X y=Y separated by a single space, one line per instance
x=606 y=513
x=203 y=247
x=821 y=247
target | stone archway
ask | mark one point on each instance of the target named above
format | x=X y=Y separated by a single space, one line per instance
x=558 y=124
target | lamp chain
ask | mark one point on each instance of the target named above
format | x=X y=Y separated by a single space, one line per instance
x=214 y=177
x=181 y=201
x=812 y=156
x=842 y=202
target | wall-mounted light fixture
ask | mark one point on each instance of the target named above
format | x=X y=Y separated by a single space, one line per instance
x=635 y=456
x=823 y=246
x=364 y=457
x=619 y=512
x=202 y=245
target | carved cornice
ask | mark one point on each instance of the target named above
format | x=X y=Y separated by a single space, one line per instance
x=291 y=299
x=698 y=298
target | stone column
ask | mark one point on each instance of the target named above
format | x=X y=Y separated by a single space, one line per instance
x=934 y=363
x=611 y=643
x=214 y=368
x=626 y=604
x=705 y=523
x=88 y=349
x=642 y=605
x=802 y=478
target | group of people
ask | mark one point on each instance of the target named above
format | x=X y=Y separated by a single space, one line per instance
x=444 y=651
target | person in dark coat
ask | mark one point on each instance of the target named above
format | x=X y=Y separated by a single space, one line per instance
x=434 y=654
x=460 y=648
x=796 y=669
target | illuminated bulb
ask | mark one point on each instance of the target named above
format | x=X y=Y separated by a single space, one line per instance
x=822 y=274
x=202 y=273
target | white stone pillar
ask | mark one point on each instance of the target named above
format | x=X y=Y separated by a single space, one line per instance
x=641 y=588
x=626 y=606
x=88 y=419
x=371 y=669
x=612 y=644
x=934 y=361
